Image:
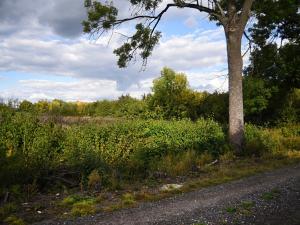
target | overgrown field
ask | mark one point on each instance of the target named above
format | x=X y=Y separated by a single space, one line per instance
x=41 y=155
x=33 y=151
x=47 y=153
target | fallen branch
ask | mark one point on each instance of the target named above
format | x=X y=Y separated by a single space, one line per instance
x=213 y=163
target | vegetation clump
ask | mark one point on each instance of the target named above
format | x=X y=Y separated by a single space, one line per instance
x=13 y=220
x=31 y=147
x=273 y=194
x=94 y=180
x=128 y=199
x=84 y=208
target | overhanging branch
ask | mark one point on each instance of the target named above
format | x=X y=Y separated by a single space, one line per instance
x=182 y=5
x=157 y=18
x=146 y=36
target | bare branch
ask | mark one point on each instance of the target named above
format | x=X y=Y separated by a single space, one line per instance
x=183 y=5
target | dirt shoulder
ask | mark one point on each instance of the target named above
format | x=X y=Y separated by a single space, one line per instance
x=268 y=198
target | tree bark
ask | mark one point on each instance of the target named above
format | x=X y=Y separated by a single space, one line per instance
x=236 y=109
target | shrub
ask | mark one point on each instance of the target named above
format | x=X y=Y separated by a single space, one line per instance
x=31 y=149
x=290 y=130
x=133 y=145
x=261 y=141
x=292 y=143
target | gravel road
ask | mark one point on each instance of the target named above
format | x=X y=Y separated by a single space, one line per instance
x=271 y=198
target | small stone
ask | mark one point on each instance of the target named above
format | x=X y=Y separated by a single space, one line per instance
x=39 y=212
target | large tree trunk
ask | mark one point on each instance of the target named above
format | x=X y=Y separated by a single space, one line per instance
x=236 y=112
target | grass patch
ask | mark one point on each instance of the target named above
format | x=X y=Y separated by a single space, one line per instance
x=13 y=220
x=270 y=195
x=84 y=208
x=247 y=204
x=80 y=205
x=231 y=209
x=7 y=209
x=128 y=199
x=244 y=208
x=72 y=199
x=113 y=207
x=267 y=196
x=143 y=196
x=240 y=168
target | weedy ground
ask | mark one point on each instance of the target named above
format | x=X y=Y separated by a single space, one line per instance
x=74 y=203
x=119 y=165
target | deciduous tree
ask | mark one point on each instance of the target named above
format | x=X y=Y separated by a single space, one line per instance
x=233 y=15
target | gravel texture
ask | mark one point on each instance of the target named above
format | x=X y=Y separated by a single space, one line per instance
x=266 y=199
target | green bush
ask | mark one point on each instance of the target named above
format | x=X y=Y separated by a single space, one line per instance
x=32 y=149
x=260 y=141
x=137 y=143
x=29 y=148
x=290 y=130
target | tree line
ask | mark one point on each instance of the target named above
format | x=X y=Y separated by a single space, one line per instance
x=172 y=98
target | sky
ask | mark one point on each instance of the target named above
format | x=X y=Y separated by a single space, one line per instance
x=45 y=55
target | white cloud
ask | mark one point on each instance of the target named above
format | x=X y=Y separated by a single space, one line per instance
x=95 y=89
x=192 y=52
x=83 y=90
x=37 y=44
x=95 y=60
